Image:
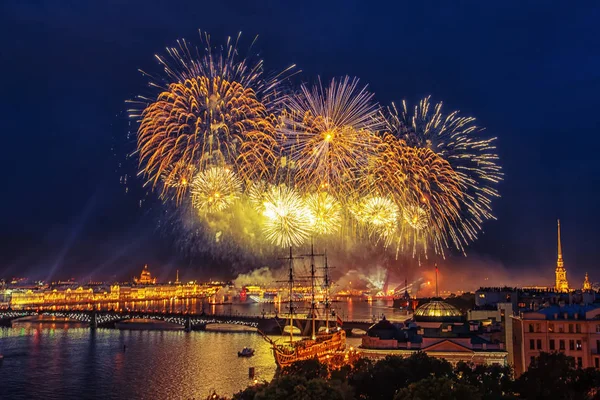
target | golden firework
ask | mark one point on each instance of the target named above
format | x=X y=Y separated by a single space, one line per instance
x=454 y=173
x=325 y=213
x=215 y=189
x=217 y=131
x=179 y=176
x=427 y=190
x=379 y=215
x=287 y=220
x=328 y=133
x=416 y=216
x=205 y=122
x=215 y=109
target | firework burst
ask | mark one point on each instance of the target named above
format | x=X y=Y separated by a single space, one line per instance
x=443 y=174
x=214 y=190
x=287 y=219
x=328 y=133
x=325 y=213
x=379 y=215
x=179 y=177
x=219 y=136
x=213 y=109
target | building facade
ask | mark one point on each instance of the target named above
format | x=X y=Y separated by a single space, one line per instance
x=440 y=331
x=573 y=330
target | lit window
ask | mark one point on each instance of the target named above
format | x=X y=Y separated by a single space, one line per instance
x=550 y=327
x=578 y=345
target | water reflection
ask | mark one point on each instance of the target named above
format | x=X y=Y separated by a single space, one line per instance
x=77 y=363
x=60 y=360
x=350 y=309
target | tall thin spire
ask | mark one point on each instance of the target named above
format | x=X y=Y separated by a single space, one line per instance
x=436 y=281
x=559 y=262
x=562 y=285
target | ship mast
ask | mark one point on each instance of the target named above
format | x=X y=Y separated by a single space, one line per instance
x=326 y=296
x=291 y=301
x=313 y=304
x=290 y=282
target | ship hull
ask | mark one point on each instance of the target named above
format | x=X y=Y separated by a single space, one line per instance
x=324 y=346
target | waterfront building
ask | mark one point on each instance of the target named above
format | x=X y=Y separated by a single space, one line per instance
x=561 y=285
x=87 y=296
x=439 y=330
x=145 y=277
x=573 y=330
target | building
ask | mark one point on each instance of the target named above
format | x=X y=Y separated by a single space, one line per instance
x=562 y=285
x=573 y=330
x=439 y=330
x=145 y=277
x=500 y=315
x=587 y=285
x=533 y=298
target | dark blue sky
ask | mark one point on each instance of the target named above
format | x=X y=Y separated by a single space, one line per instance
x=528 y=71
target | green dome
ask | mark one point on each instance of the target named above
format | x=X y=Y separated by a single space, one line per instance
x=437 y=311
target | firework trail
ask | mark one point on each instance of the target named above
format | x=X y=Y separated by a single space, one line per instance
x=328 y=134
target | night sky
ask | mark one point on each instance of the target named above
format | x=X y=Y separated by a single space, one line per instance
x=528 y=71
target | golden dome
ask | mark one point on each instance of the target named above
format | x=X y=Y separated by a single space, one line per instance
x=437 y=311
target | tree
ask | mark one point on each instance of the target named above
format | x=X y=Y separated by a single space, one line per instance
x=384 y=378
x=309 y=369
x=494 y=382
x=291 y=387
x=250 y=392
x=420 y=366
x=554 y=376
x=439 y=389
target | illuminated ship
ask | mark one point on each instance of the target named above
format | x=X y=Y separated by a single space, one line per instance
x=320 y=345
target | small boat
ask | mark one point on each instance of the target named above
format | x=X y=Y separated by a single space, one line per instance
x=246 y=352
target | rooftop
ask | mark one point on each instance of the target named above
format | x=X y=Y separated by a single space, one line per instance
x=437 y=311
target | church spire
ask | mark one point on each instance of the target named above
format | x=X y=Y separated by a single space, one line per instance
x=562 y=285
x=587 y=285
x=559 y=262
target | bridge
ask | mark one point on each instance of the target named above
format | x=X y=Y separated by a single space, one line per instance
x=269 y=324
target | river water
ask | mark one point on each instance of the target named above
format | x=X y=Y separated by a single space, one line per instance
x=68 y=361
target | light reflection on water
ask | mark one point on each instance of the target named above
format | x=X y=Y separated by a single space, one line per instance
x=352 y=309
x=43 y=362
x=57 y=360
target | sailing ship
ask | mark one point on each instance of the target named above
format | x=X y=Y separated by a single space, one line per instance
x=321 y=345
